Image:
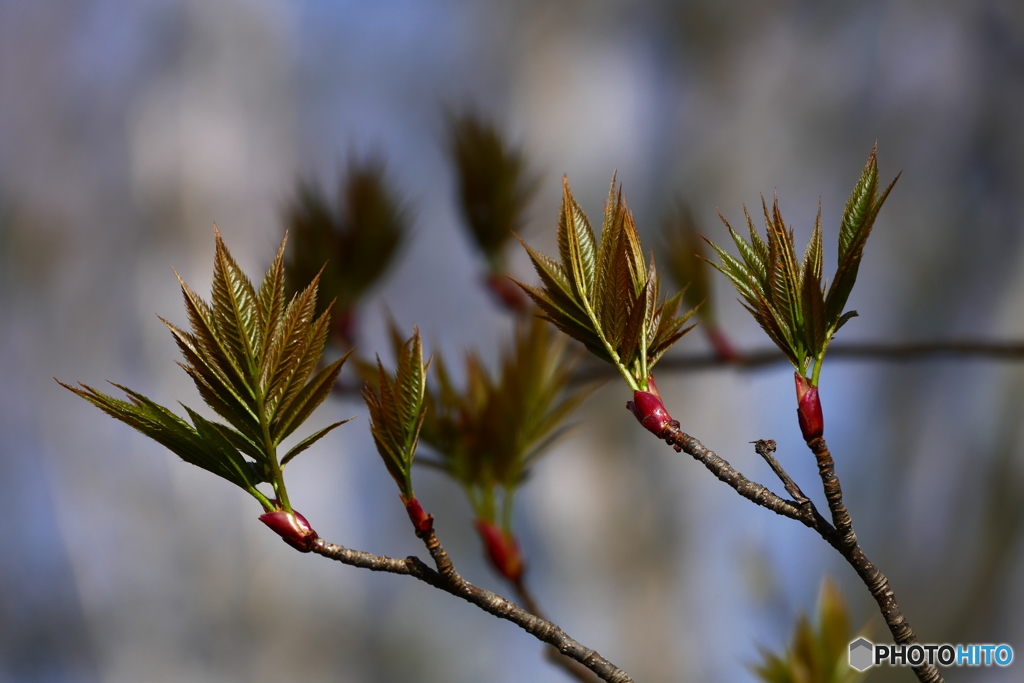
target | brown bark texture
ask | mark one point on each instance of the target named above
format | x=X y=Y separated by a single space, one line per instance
x=839 y=534
x=446 y=578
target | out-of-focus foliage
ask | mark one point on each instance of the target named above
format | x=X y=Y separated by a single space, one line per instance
x=817 y=653
x=495 y=184
x=350 y=242
x=603 y=293
x=252 y=358
x=686 y=254
x=789 y=299
x=487 y=435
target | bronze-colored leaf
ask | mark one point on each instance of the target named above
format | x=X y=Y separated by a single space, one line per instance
x=611 y=303
x=235 y=310
x=577 y=246
x=245 y=354
x=789 y=300
x=397 y=408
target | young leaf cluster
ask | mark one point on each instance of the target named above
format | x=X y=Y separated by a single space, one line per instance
x=494 y=184
x=789 y=299
x=488 y=435
x=397 y=409
x=357 y=236
x=252 y=357
x=604 y=294
x=816 y=654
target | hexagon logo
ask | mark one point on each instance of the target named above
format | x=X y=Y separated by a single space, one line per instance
x=861 y=651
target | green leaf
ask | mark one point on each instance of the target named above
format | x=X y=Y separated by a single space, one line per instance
x=812 y=263
x=858 y=219
x=756 y=269
x=670 y=329
x=170 y=431
x=817 y=653
x=758 y=247
x=307 y=357
x=634 y=329
x=577 y=246
x=230 y=463
x=287 y=347
x=310 y=440
x=216 y=388
x=209 y=345
x=557 y=288
x=397 y=409
x=602 y=293
x=488 y=432
x=270 y=299
x=308 y=398
x=235 y=311
x=739 y=275
x=605 y=269
x=571 y=323
x=844 y=318
x=787 y=299
x=782 y=267
x=251 y=358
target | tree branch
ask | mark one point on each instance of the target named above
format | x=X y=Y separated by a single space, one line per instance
x=569 y=666
x=446 y=578
x=765 y=450
x=878 y=351
x=725 y=472
x=876 y=581
x=841 y=536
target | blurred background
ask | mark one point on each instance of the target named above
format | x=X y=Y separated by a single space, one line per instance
x=128 y=129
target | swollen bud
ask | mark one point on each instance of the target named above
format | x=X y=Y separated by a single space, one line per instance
x=808 y=410
x=649 y=410
x=502 y=550
x=724 y=349
x=420 y=519
x=292 y=528
x=506 y=292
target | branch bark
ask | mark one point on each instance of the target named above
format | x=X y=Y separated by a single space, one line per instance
x=878 y=351
x=570 y=667
x=876 y=581
x=839 y=534
x=445 y=577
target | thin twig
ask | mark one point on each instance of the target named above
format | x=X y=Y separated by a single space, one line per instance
x=765 y=450
x=1010 y=352
x=719 y=467
x=446 y=578
x=875 y=351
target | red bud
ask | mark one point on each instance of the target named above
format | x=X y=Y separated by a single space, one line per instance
x=502 y=550
x=808 y=411
x=343 y=327
x=420 y=519
x=721 y=344
x=292 y=528
x=506 y=292
x=649 y=410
